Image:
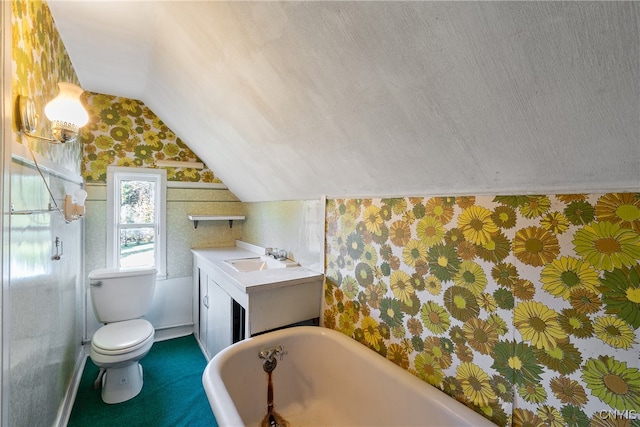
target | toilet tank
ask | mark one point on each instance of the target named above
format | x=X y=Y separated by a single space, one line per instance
x=121 y=294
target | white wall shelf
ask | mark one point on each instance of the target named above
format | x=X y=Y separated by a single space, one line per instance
x=230 y=218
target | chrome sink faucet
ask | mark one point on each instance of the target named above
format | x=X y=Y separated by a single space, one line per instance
x=279 y=254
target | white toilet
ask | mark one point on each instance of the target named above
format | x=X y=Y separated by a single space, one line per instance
x=119 y=299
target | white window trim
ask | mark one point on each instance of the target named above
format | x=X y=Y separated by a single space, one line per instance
x=117 y=173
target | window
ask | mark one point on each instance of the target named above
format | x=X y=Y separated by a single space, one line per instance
x=136 y=212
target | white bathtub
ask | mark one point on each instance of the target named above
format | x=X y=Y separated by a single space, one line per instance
x=325 y=379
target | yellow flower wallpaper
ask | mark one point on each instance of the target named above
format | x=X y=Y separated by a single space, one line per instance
x=40 y=61
x=125 y=132
x=525 y=308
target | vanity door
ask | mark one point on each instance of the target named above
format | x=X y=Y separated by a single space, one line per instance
x=219 y=319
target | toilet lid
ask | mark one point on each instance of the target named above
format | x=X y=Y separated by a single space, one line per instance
x=122 y=336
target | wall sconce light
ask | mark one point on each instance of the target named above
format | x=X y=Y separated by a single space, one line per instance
x=66 y=113
x=74 y=205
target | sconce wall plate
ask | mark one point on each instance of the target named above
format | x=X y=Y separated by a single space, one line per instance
x=74 y=205
x=28 y=120
x=28 y=115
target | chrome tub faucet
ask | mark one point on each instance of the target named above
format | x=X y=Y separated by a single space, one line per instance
x=269 y=357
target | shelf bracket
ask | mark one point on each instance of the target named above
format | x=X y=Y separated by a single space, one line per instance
x=195 y=223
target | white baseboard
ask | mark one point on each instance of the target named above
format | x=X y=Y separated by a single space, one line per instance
x=174 y=332
x=64 y=412
x=202 y=349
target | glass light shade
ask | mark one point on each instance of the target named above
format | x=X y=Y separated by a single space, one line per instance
x=80 y=196
x=66 y=113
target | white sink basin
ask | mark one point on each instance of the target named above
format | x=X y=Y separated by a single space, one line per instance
x=259 y=263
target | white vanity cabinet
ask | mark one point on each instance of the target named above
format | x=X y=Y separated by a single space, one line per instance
x=215 y=323
x=231 y=305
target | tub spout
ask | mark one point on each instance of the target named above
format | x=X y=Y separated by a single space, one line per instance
x=269 y=357
x=269 y=365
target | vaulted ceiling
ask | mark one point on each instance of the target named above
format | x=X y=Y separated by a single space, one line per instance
x=294 y=100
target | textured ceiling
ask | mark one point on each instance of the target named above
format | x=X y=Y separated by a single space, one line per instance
x=294 y=100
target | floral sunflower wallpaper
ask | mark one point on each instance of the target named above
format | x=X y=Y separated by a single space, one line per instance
x=525 y=308
x=40 y=61
x=125 y=132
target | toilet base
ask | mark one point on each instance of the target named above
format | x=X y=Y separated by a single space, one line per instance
x=121 y=384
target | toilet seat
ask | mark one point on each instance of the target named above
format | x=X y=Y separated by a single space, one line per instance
x=122 y=337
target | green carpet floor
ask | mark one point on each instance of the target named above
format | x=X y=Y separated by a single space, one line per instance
x=172 y=394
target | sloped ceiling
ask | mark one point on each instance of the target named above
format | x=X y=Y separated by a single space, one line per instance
x=294 y=100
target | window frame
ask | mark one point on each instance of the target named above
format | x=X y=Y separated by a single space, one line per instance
x=117 y=174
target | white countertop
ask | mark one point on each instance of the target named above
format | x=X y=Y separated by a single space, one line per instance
x=254 y=281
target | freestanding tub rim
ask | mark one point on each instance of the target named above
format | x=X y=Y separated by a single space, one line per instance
x=226 y=412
